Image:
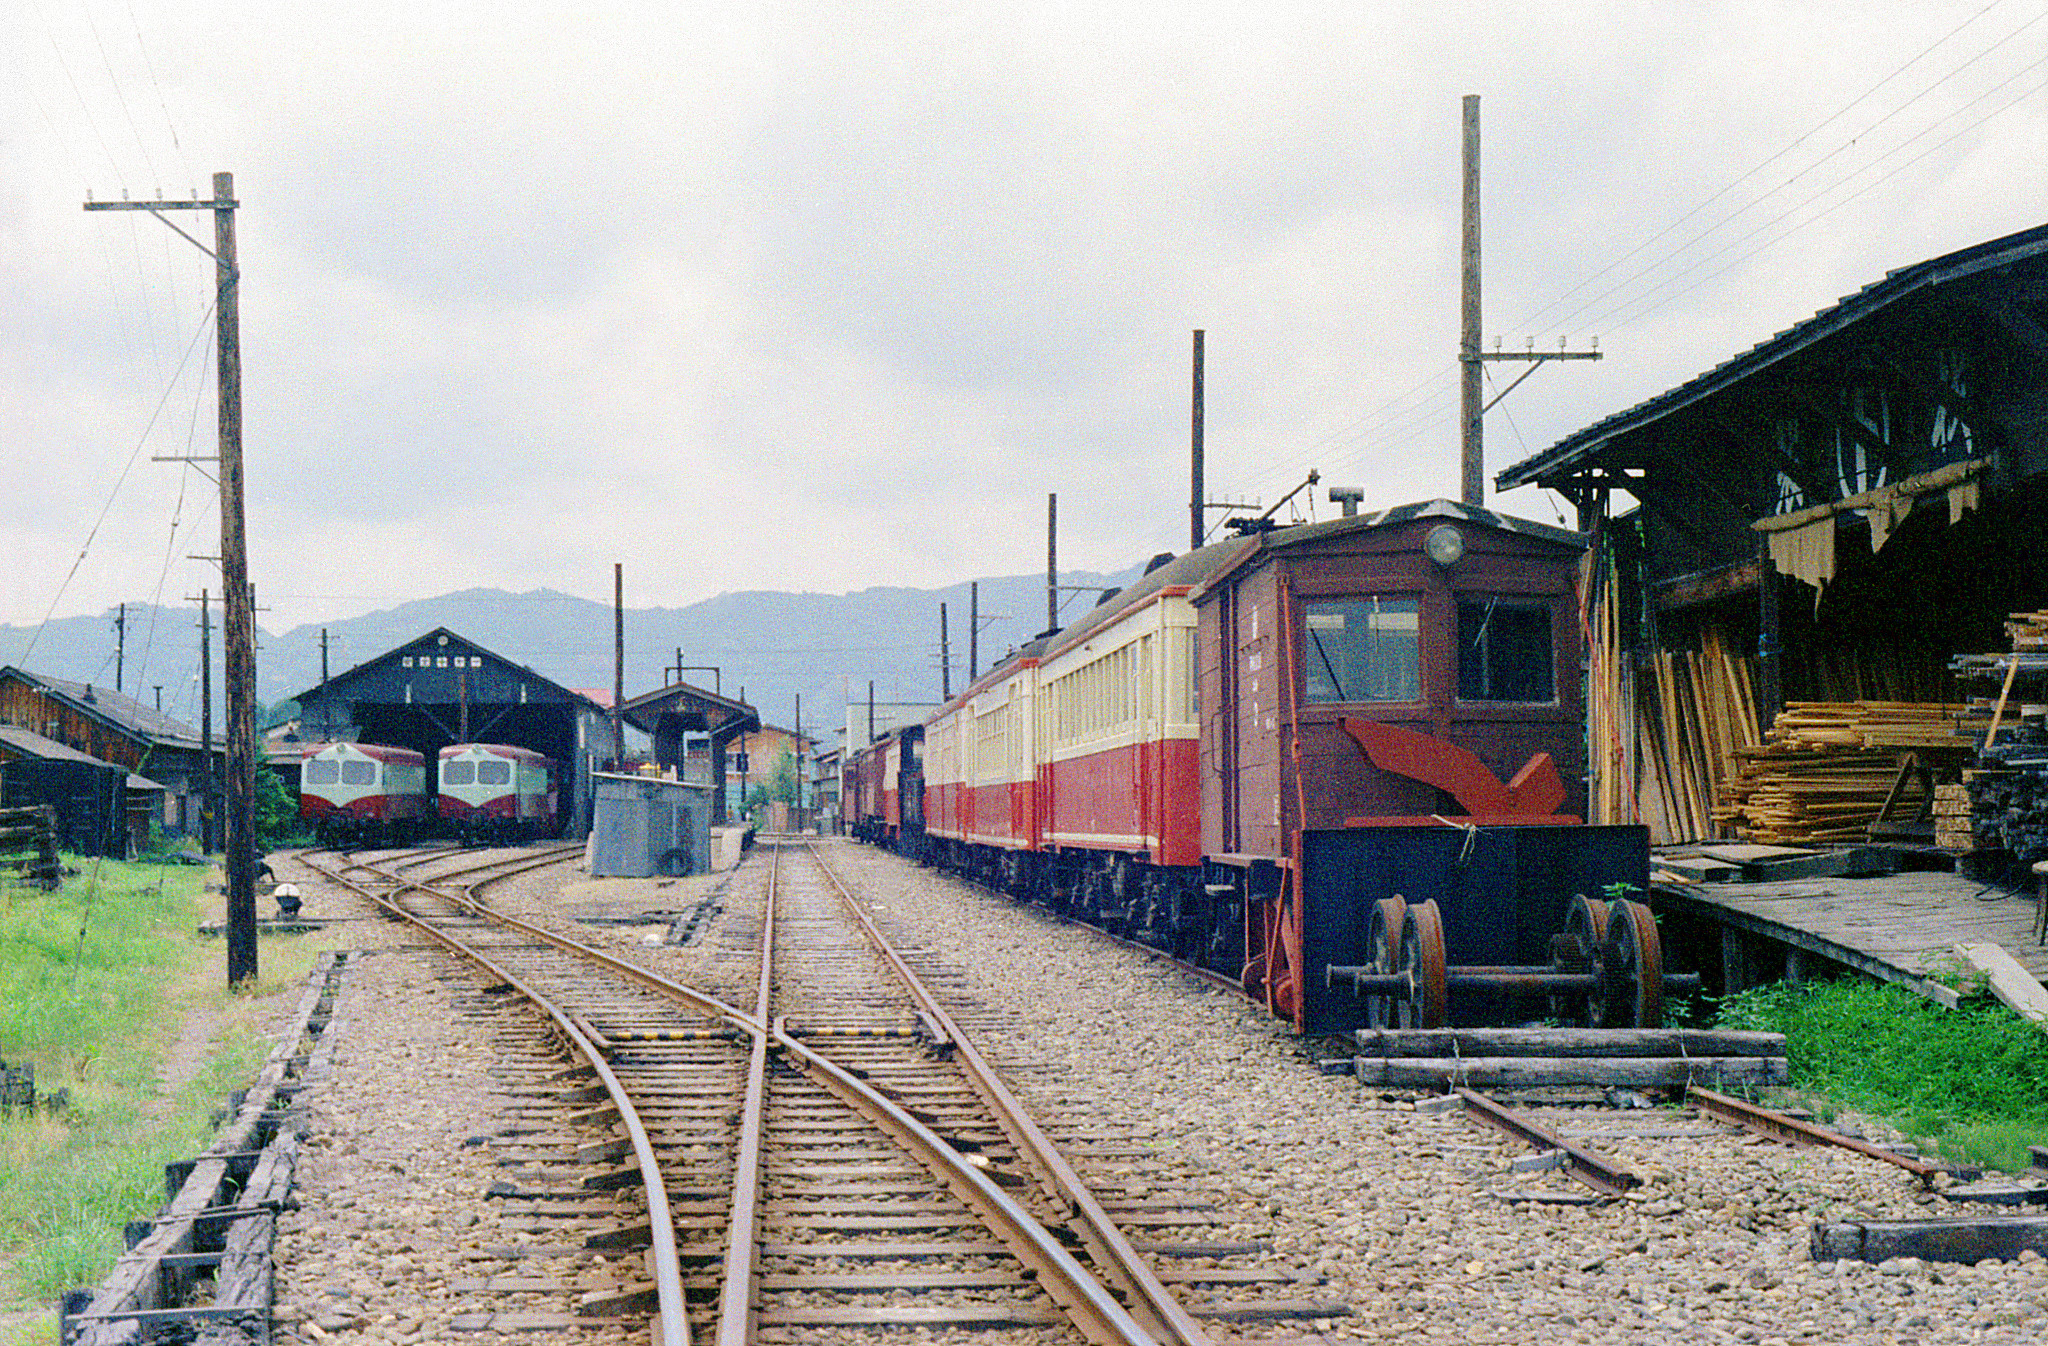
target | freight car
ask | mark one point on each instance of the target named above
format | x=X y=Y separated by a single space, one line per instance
x=884 y=787
x=1338 y=764
x=357 y=794
x=494 y=793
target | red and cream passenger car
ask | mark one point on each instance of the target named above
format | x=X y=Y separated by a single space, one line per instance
x=364 y=793
x=489 y=793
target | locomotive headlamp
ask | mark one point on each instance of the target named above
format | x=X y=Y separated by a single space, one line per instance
x=1444 y=545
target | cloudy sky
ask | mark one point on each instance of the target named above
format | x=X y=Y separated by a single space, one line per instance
x=823 y=296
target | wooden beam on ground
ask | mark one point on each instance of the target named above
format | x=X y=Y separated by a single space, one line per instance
x=2009 y=981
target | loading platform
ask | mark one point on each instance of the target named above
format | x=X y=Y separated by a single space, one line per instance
x=1902 y=927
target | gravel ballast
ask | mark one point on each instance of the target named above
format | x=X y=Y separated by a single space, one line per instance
x=1400 y=1211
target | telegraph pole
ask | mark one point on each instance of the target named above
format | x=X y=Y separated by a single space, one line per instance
x=326 y=708
x=238 y=621
x=207 y=813
x=120 y=643
x=1195 y=512
x=1471 y=360
x=973 y=631
x=618 y=664
x=945 y=658
x=1052 y=562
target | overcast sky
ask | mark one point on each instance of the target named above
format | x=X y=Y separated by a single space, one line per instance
x=824 y=296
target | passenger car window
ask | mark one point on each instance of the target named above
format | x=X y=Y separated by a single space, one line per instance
x=1504 y=650
x=1363 y=649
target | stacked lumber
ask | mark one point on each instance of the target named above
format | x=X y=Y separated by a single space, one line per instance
x=1701 y=717
x=1822 y=774
x=2027 y=630
x=1952 y=829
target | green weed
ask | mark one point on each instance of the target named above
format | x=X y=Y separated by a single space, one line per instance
x=1971 y=1079
x=95 y=980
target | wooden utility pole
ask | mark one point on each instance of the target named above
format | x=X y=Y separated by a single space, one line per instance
x=238 y=621
x=1471 y=359
x=618 y=664
x=1471 y=457
x=326 y=707
x=1052 y=562
x=1196 y=514
x=120 y=643
x=945 y=658
x=973 y=631
x=208 y=814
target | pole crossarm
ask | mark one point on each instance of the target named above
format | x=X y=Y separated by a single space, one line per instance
x=157 y=208
x=1536 y=359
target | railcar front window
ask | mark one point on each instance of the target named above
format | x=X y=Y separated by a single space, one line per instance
x=323 y=771
x=1504 y=650
x=458 y=773
x=494 y=773
x=358 y=773
x=1363 y=649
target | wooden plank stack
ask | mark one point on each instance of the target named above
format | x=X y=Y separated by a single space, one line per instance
x=1634 y=1058
x=1952 y=818
x=2027 y=630
x=1694 y=728
x=1822 y=773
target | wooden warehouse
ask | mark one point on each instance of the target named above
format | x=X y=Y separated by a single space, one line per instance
x=162 y=757
x=443 y=688
x=1832 y=516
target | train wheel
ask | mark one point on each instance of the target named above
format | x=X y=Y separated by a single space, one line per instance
x=1422 y=957
x=1389 y=920
x=1585 y=932
x=1636 y=962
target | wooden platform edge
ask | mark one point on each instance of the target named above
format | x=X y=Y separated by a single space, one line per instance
x=1688 y=900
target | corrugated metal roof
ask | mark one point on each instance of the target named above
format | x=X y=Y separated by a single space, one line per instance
x=106 y=704
x=30 y=744
x=1896 y=286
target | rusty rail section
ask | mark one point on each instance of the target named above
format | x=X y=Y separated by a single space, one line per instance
x=1161 y=1313
x=1590 y=1167
x=1793 y=1131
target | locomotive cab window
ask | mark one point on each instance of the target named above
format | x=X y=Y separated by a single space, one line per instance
x=494 y=771
x=323 y=772
x=354 y=772
x=1363 y=649
x=458 y=773
x=1505 y=651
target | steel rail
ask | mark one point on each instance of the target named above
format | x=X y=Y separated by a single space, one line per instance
x=736 y=1315
x=1106 y=1244
x=1590 y=1167
x=1793 y=1131
x=1092 y=1308
x=672 y=1326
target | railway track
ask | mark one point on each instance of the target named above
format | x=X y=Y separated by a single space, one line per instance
x=833 y=1152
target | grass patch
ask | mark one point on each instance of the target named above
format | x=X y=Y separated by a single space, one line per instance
x=1973 y=1081
x=97 y=980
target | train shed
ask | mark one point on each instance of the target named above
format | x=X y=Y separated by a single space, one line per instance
x=692 y=730
x=442 y=688
x=1838 y=520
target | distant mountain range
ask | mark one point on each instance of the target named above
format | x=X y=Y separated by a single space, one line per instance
x=769 y=645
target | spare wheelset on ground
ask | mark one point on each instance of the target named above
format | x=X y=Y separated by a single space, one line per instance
x=1606 y=968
